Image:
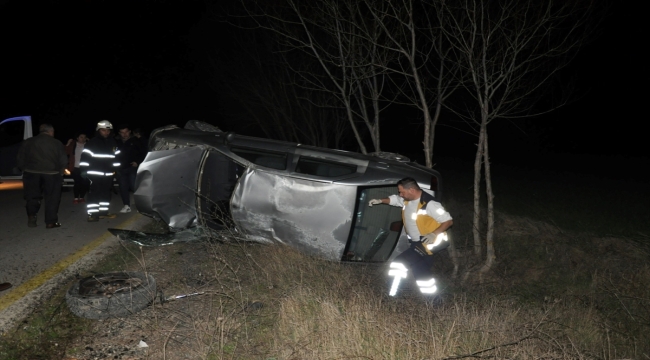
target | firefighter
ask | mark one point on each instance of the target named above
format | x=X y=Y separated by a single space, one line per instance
x=425 y=222
x=99 y=163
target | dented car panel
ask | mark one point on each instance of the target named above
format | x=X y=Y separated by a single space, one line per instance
x=313 y=199
x=309 y=215
x=171 y=197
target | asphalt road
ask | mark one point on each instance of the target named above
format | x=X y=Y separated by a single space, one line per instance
x=34 y=260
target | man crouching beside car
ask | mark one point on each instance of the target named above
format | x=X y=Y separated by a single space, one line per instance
x=426 y=223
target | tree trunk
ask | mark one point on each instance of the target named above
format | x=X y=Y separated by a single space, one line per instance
x=490 y=255
x=432 y=128
x=376 y=110
x=348 y=110
x=477 y=191
x=428 y=140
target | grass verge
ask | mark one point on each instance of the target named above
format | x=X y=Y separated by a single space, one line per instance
x=556 y=293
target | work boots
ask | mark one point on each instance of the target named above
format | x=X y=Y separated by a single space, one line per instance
x=31 y=220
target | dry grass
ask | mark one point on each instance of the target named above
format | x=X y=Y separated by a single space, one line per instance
x=554 y=295
x=271 y=302
x=354 y=319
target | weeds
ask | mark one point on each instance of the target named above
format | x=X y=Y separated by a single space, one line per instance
x=272 y=302
x=555 y=293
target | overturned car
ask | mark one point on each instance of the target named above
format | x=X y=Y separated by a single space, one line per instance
x=311 y=198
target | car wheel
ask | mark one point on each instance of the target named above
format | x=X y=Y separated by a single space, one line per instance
x=111 y=295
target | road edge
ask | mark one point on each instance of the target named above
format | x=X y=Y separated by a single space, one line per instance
x=17 y=305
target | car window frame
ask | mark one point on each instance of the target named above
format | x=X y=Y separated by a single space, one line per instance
x=362 y=164
x=288 y=161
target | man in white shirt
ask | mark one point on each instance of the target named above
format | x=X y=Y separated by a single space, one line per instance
x=426 y=222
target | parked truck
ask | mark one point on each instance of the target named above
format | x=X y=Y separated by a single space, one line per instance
x=12 y=133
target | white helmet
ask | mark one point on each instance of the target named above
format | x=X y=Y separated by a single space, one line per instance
x=104 y=124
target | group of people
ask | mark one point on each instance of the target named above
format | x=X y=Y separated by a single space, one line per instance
x=92 y=164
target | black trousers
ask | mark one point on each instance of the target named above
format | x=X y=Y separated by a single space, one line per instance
x=80 y=187
x=416 y=259
x=126 y=180
x=46 y=187
x=99 y=197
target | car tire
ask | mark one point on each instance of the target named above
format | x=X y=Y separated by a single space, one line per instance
x=127 y=301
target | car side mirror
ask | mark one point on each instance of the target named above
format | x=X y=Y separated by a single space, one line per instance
x=230 y=136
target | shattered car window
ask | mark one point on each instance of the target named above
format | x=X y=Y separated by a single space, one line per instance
x=318 y=167
x=271 y=160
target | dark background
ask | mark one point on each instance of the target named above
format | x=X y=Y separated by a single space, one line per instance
x=148 y=64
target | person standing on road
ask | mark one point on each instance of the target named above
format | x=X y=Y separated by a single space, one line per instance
x=98 y=163
x=74 y=149
x=425 y=222
x=131 y=155
x=42 y=159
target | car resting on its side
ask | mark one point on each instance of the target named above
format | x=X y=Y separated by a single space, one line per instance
x=313 y=199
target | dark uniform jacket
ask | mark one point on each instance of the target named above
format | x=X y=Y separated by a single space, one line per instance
x=100 y=156
x=131 y=150
x=42 y=154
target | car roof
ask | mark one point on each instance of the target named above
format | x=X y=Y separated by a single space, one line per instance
x=380 y=170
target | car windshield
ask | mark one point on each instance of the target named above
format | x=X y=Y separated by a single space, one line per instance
x=376 y=229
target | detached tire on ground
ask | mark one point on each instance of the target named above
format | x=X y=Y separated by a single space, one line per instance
x=108 y=295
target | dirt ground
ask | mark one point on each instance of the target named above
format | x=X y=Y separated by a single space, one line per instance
x=176 y=329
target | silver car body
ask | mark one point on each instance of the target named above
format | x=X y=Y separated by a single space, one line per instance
x=313 y=199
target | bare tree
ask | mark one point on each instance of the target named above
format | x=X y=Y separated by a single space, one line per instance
x=422 y=71
x=328 y=32
x=509 y=50
x=262 y=83
x=412 y=32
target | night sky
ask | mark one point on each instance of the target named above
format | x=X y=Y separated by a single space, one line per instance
x=147 y=63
